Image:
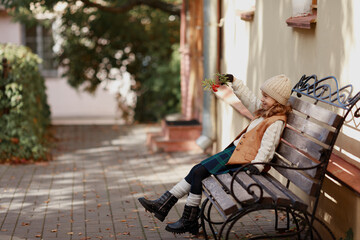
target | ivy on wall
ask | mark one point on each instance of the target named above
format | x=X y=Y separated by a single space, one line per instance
x=24 y=111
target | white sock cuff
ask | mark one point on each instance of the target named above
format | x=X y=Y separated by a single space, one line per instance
x=193 y=200
x=180 y=189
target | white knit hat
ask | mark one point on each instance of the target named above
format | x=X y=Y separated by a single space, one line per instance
x=278 y=87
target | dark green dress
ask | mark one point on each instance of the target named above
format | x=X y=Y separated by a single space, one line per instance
x=216 y=164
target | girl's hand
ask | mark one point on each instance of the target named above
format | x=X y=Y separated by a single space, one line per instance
x=228 y=78
x=222 y=79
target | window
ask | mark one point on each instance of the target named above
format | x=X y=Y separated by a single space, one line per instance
x=39 y=40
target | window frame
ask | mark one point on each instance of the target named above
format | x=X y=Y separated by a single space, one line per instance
x=40 y=48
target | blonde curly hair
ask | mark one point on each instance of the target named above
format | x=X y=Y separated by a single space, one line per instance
x=276 y=110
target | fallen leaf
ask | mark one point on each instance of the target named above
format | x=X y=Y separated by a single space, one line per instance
x=54 y=230
x=38 y=236
x=4 y=230
x=99 y=205
x=25 y=224
x=70 y=233
x=126 y=233
x=123 y=220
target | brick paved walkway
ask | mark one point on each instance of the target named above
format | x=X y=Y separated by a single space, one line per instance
x=90 y=189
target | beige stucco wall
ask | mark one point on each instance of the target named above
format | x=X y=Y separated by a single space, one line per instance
x=10 y=31
x=266 y=46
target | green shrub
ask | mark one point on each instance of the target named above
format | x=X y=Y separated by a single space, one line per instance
x=24 y=112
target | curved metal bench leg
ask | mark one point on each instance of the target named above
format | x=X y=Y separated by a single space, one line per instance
x=296 y=223
x=232 y=220
x=310 y=231
x=238 y=215
x=207 y=219
x=326 y=227
x=277 y=220
x=202 y=217
x=210 y=222
x=313 y=229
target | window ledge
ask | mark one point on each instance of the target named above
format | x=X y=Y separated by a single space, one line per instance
x=246 y=15
x=344 y=172
x=338 y=168
x=306 y=22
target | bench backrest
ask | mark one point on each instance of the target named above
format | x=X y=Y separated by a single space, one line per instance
x=311 y=130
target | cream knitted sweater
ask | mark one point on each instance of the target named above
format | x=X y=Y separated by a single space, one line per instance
x=272 y=134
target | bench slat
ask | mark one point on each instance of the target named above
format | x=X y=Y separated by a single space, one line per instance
x=278 y=196
x=312 y=129
x=296 y=201
x=295 y=176
x=303 y=143
x=245 y=181
x=223 y=200
x=239 y=191
x=297 y=158
x=317 y=112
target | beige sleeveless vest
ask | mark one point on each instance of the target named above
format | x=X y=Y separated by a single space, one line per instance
x=249 y=145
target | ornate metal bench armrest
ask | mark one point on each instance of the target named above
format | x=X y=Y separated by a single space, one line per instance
x=250 y=187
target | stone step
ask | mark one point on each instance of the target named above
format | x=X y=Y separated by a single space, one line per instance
x=151 y=136
x=181 y=130
x=175 y=136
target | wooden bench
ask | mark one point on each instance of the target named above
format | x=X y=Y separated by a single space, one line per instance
x=301 y=159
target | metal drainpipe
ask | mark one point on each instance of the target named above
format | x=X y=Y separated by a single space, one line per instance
x=211 y=66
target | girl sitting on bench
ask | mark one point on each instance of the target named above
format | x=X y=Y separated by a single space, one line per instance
x=256 y=143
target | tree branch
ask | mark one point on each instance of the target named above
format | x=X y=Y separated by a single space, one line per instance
x=128 y=5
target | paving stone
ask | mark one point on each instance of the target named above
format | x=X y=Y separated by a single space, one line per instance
x=91 y=187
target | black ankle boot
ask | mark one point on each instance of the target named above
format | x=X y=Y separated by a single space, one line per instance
x=187 y=223
x=160 y=207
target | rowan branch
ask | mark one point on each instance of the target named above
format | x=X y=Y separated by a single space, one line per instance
x=173 y=9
